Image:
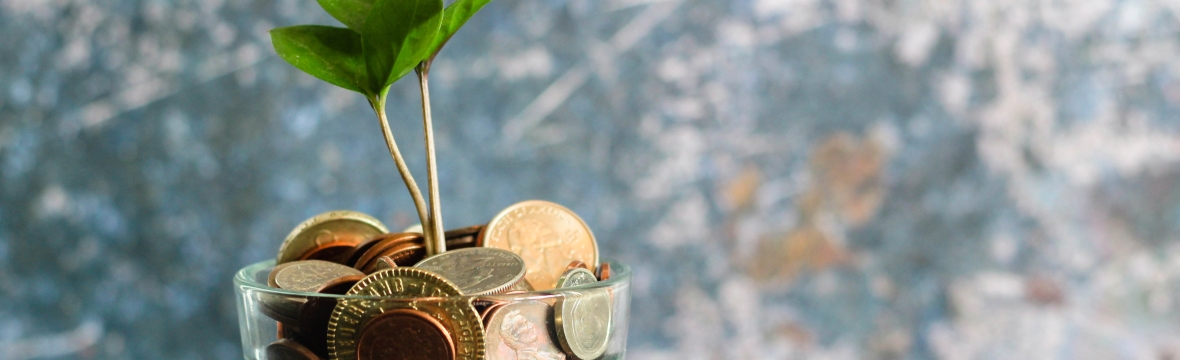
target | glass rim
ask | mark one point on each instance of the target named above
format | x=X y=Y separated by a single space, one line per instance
x=620 y=274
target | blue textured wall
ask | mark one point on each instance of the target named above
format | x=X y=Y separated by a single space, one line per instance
x=829 y=179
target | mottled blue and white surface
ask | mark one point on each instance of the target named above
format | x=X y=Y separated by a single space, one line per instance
x=822 y=179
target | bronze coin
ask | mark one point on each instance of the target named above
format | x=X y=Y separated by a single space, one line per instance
x=405 y=334
x=576 y=264
x=521 y=330
x=368 y=245
x=462 y=237
x=314 y=316
x=382 y=247
x=604 y=271
x=287 y=349
x=281 y=308
x=344 y=282
x=404 y=254
x=336 y=252
x=361 y=248
x=490 y=311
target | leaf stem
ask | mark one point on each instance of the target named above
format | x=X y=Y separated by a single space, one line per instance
x=436 y=224
x=378 y=104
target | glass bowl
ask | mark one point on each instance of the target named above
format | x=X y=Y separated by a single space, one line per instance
x=520 y=325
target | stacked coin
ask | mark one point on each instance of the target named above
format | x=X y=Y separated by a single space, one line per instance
x=355 y=291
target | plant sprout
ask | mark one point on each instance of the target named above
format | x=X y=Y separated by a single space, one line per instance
x=382 y=42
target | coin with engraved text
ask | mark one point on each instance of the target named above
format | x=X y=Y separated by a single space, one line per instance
x=547 y=236
x=477 y=271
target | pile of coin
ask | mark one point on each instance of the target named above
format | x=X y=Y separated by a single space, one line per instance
x=403 y=303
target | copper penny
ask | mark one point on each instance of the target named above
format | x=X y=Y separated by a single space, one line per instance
x=287 y=349
x=487 y=313
x=604 y=271
x=405 y=334
x=462 y=237
x=373 y=246
x=335 y=252
x=405 y=254
x=361 y=248
x=314 y=316
x=520 y=330
x=382 y=247
x=281 y=308
x=547 y=236
x=576 y=264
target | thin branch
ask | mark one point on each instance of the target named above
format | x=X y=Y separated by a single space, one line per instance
x=436 y=226
x=378 y=104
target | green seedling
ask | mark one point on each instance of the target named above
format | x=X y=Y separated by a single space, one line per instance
x=383 y=41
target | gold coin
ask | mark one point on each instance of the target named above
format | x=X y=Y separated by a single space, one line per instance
x=546 y=235
x=333 y=227
x=582 y=318
x=454 y=312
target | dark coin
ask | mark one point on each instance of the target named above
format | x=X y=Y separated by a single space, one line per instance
x=405 y=334
x=486 y=314
x=576 y=264
x=404 y=254
x=361 y=248
x=335 y=252
x=370 y=248
x=287 y=349
x=383 y=247
x=314 y=316
x=604 y=271
x=281 y=308
x=462 y=237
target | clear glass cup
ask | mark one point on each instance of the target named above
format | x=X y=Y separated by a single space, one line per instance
x=259 y=305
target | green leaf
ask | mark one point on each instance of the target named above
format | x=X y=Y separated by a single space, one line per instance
x=397 y=35
x=332 y=54
x=350 y=12
x=454 y=17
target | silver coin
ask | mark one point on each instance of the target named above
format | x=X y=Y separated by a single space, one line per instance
x=477 y=271
x=582 y=318
x=576 y=277
x=311 y=275
x=520 y=330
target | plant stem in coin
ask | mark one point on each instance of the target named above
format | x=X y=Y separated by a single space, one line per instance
x=378 y=104
x=435 y=241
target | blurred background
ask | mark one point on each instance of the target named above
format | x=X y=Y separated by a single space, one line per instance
x=790 y=179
